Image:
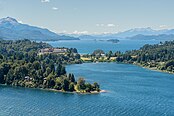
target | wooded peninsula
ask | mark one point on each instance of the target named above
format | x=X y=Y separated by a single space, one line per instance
x=30 y=64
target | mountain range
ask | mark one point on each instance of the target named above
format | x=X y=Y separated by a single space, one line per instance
x=143 y=31
x=137 y=33
x=10 y=28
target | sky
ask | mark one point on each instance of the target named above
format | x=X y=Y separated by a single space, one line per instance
x=91 y=16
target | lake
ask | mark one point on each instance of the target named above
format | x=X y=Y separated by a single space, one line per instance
x=88 y=46
x=132 y=91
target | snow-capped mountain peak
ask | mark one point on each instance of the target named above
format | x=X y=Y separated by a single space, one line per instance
x=148 y=29
x=10 y=28
x=8 y=20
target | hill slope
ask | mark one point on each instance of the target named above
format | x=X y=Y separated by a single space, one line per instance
x=158 y=56
x=10 y=28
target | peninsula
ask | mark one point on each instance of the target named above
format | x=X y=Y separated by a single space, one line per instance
x=30 y=64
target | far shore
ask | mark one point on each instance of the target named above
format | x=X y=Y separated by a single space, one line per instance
x=137 y=64
x=154 y=69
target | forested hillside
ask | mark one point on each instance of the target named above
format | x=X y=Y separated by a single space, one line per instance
x=159 y=56
x=21 y=65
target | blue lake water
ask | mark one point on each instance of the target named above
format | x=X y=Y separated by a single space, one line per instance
x=88 y=46
x=132 y=91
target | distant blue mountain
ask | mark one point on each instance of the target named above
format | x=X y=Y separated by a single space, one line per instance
x=143 y=31
x=137 y=33
x=152 y=37
x=10 y=28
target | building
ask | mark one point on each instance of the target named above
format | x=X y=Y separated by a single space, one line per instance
x=52 y=50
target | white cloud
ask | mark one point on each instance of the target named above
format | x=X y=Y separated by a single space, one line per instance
x=105 y=25
x=106 y=32
x=64 y=31
x=100 y=25
x=20 y=21
x=54 y=8
x=80 y=32
x=110 y=25
x=163 y=26
x=43 y=1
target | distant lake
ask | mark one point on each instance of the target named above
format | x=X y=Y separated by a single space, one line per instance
x=132 y=91
x=88 y=46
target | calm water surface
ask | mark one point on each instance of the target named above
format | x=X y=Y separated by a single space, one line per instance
x=132 y=91
x=88 y=46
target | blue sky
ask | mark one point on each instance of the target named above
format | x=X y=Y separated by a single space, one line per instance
x=91 y=16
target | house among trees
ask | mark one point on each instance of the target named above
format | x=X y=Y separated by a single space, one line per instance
x=52 y=50
x=28 y=78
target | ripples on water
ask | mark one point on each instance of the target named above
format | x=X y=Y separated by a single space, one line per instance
x=133 y=91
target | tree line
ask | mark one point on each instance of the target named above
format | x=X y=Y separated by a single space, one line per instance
x=20 y=65
x=158 y=56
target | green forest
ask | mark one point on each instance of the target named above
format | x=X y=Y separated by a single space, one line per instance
x=20 y=65
x=158 y=56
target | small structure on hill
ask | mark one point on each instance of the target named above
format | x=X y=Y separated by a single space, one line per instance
x=52 y=50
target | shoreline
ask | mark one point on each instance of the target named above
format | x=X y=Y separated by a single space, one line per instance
x=74 y=92
x=152 y=69
x=155 y=69
x=59 y=91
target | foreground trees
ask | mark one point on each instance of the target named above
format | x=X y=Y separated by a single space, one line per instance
x=20 y=65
